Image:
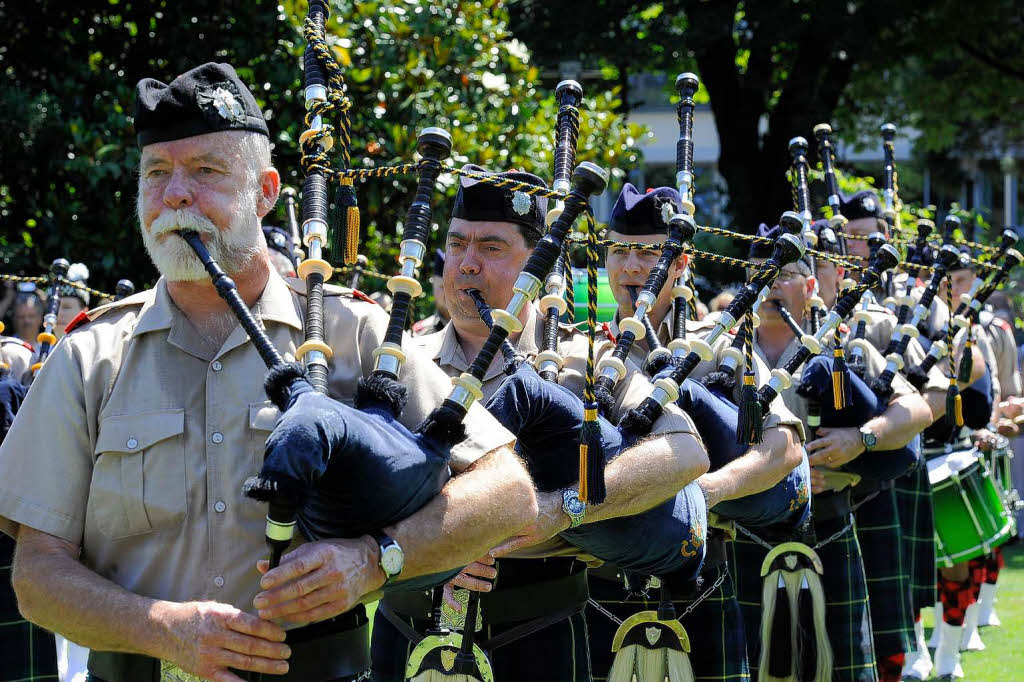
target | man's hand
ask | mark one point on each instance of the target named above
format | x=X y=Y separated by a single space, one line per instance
x=551 y=520
x=984 y=440
x=477 y=576
x=1008 y=428
x=206 y=638
x=818 y=484
x=1012 y=407
x=834 y=447
x=319 y=580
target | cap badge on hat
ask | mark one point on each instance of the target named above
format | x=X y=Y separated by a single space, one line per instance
x=521 y=203
x=667 y=211
x=868 y=204
x=219 y=99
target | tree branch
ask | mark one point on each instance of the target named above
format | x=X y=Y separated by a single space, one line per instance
x=990 y=60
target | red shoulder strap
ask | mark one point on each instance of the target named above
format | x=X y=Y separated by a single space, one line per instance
x=80 y=319
x=363 y=297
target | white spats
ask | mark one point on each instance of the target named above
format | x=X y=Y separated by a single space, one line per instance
x=987 y=612
x=918 y=663
x=971 y=640
x=947 y=655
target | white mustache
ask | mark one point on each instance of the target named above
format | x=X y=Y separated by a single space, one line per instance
x=171 y=220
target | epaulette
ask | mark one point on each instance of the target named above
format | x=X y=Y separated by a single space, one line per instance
x=355 y=293
x=80 y=319
x=96 y=313
x=17 y=341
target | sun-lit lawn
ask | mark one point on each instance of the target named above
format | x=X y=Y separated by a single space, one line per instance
x=1003 y=657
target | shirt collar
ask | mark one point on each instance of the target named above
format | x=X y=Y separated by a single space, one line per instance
x=448 y=351
x=276 y=304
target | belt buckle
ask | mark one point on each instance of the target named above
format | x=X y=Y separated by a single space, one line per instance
x=172 y=673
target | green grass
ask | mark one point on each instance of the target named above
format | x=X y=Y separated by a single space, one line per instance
x=1003 y=657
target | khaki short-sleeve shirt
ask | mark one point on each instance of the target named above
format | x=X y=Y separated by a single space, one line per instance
x=136 y=437
x=874 y=364
x=778 y=413
x=1004 y=348
x=444 y=347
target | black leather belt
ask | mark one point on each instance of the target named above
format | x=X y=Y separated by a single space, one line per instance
x=831 y=505
x=508 y=605
x=338 y=647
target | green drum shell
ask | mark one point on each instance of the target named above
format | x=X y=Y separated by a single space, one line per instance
x=971 y=517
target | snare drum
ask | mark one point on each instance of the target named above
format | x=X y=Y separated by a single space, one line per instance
x=971 y=517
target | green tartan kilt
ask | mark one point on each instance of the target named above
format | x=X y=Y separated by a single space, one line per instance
x=914 y=502
x=27 y=652
x=878 y=531
x=718 y=648
x=847 y=613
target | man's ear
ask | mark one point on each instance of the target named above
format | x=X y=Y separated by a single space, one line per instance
x=680 y=264
x=270 y=188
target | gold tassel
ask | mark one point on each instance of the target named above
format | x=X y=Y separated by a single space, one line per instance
x=583 y=471
x=351 y=229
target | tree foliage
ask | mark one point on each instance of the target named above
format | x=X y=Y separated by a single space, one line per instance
x=774 y=68
x=68 y=184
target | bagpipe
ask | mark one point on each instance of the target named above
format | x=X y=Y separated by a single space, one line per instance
x=681 y=229
x=332 y=470
x=47 y=338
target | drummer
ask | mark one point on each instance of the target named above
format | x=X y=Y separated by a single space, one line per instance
x=895 y=516
x=967 y=589
x=959 y=585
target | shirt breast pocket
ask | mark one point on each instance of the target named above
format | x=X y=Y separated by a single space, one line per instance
x=262 y=420
x=138 y=480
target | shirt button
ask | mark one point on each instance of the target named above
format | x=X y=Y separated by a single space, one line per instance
x=132 y=443
x=216 y=366
x=220 y=506
x=217 y=437
x=219 y=581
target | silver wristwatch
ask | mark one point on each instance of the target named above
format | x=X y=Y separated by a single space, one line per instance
x=868 y=438
x=574 y=507
x=392 y=558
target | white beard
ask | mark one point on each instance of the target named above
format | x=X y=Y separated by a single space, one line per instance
x=233 y=248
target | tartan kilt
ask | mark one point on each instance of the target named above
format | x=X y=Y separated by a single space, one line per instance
x=717 y=643
x=914 y=503
x=27 y=652
x=878 y=531
x=847 y=612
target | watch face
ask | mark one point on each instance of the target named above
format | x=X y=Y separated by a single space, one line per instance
x=575 y=505
x=392 y=559
x=870 y=439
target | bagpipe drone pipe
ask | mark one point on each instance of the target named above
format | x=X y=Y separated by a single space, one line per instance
x=330 y=469
x=681 y=229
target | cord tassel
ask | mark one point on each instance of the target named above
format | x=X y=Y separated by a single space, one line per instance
x=954 y=405
x=750 y=421
x=346 y=245
x=842 y=389
x=592 y=487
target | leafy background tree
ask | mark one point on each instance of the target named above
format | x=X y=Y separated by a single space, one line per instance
x=68 y=182
x=772 y=69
